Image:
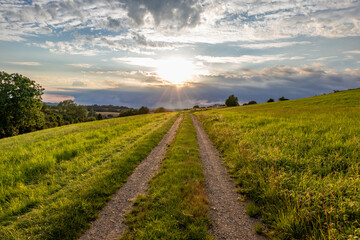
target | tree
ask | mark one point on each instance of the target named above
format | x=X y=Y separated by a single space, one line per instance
x=20 y=105
x=143 y=110
x=283 y=98
x=196 y=106
x=72 y=113
x=232 y=101
x=52 y=117
x=270 y=100
x=252 y=102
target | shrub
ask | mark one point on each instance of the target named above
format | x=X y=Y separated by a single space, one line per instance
x=160 y=110
x=232 y=101
x=283 y=98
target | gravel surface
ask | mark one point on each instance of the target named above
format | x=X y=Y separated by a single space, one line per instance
x=227 y=214
x=109 y=224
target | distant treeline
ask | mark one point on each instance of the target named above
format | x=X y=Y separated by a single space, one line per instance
x=106 y=108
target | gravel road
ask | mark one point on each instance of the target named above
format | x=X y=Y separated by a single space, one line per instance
x=227 y=214
x=109 y=224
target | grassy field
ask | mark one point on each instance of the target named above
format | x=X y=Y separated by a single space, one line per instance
x=176 y=205
x=53 y=182
x=299 y=161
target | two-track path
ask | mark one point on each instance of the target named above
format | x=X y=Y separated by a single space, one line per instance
x=227 y=215
x=110 y=223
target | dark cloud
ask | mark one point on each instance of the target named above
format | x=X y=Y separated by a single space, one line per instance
x=177 y=14
x=78 y=84
x=113 y=24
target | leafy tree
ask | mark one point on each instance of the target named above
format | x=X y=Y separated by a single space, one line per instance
x=196 y=106
x=52 y=117
x=20 y=105
x=72 y=113
x=160 y=110
x=270 y=100
x=252 y=102
x=143 y=110
x=232 y=101
x=283 y=98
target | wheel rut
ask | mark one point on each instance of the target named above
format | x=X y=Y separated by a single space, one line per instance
x=110 y=222
x=227 y=214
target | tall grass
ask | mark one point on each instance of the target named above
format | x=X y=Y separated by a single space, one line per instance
x=53 y=182
x=176 y=204
x=298 y=160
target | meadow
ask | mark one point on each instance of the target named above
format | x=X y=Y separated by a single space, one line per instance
x=176 y=205
x=54 y=182
x=298 y=161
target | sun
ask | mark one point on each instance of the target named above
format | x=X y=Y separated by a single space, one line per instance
x=176 y=71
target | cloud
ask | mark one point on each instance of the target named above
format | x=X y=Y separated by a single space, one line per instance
x=325 y=58
x=26 y=63
x=56 y=97
x=353 y=52
x=113 y=24
x=170 y=13
x=272 y=45
x=81 y=65
x=242 y=59
x=78 y=84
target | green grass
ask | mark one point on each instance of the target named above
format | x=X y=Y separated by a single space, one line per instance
x=176 y=205
x=54 y=182
x=298 y=160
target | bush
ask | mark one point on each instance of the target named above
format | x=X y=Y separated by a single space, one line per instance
x=252 y=102
x=232 y=101
x=270 y=100
x=196 y=106
x=129 y=112
x=160 y=110
x=283 y=98
x=143 y=110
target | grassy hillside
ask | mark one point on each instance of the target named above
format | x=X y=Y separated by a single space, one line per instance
x=299 y=161
x=176 y=204
x=53 y=182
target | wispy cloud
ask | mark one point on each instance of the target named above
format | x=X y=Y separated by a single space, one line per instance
x=272 y=45
x=26 y=63
x=325 y=58
x=81 y=65
x=242 y=59
x=353 y=52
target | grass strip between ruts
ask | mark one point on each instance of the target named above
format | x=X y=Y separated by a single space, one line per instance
x=176 y=206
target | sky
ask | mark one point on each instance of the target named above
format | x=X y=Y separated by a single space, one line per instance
x=181 y=53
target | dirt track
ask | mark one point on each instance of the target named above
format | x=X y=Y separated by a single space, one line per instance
x=109 y=224
x=228 y=217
